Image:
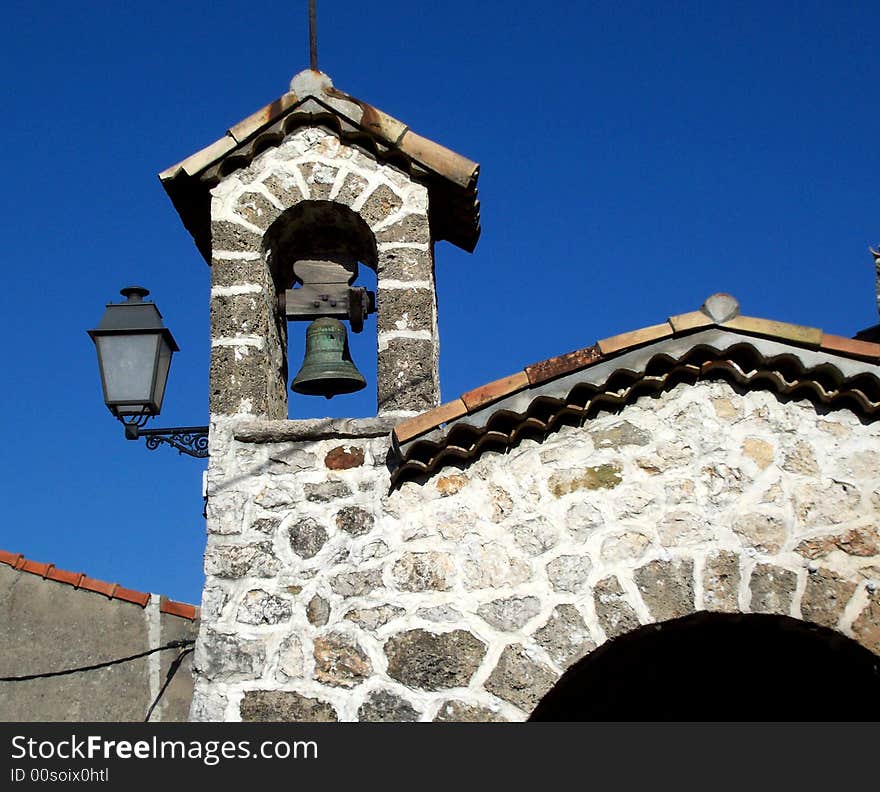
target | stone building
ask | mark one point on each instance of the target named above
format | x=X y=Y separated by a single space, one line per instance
x=682 y=510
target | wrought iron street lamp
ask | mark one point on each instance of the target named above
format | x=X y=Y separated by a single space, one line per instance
x=134 y=356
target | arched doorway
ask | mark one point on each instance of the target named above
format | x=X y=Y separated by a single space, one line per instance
x=720 y=667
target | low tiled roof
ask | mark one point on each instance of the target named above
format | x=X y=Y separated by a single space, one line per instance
x=110 y=590
x=451 y=179
x=714 y=342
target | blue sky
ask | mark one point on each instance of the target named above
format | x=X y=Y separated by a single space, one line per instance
x=635 y=157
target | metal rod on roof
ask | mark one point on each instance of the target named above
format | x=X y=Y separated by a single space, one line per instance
x=313 y=36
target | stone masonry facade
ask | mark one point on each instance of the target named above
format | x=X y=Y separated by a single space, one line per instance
x=331 y=595
x=252 y=205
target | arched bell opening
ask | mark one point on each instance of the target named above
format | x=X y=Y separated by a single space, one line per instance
x=720 y=667
x=323 y=258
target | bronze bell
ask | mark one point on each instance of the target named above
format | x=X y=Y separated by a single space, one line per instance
x=328 y=369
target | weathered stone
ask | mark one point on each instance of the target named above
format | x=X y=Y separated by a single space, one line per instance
x=461 y=712
x=318 y=611
x=605 y=476
x=490 y=565
x=765 y=532
x=535 y=536
x=237 y=381
x=632 y=503
x=406 y=309
x=410 y=228
x=307 y=536
x=565 y=637
x=863 y=464
x=866 y=627
x=261 y=607
x=760 y=451
x=582 y=519
x=721 y=579
x=825 y=596
x=511 y=613
x=723 y=483
x=354 y=520
x=356 y=584
x=266 y=525
x=351 y=189
x=667 y=587
x=430 y=661
x=725 y=409
x=828 y=503
x=227 y=657
x=428 y=571
x=291 y=660
x=256 y=209
x=802 y=460
x=373 y=618
x=268 y=706
x=233 y=237
x=382 y=203
x=681 y=528
x=501 y=502
x=239 y=315
x=627 y=546
x=451 y=484
x=237 y=272
x=214 y=599
x=439 y=613
x=772 y=589
x=384 y=707
x=319 y=178
x=680 y=491
x=326 y=491
x=277 y=496
x=407 y=375
x=569 y=573
x=619 y=435
x=238 y=561
x=615 y=613
x=340 y=661
x=344 y=458
x=862 y=541
x=285 y=188
x=406 y=264
x=519 y=679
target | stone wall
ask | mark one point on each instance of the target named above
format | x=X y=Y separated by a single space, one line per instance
x=49 y=626
x=330 y=596
x=248 y=336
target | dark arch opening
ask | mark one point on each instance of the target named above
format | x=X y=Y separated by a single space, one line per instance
x=720 y=667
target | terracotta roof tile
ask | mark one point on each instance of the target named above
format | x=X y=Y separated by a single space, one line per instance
x=722 y=307
x=562 y=364
x=412 y=427
x=82 y=581
x=485 y=394
x=609 y=346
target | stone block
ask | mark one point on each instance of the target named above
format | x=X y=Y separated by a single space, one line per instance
x=238 y=272
x=606 y=476
x=667 y=587
x=825 y=596
x=408 y=375
x=569 y=573
x=234 y=238
x=427 y=571
x=382 y=706
x=772 y=589
x=238 y=561
x=356 y=584
x=225 y=657
x=319 y=178
x=256 y=209
x=238 y=381
x=765 y=532
x=620 y=435
x=511 y=613
x=411 y=228
x=307 y=536
x=240 y=315
x=429 y=661
x=721 y=579
x=406 y=309
x=340 y=661
x=565 y=636
x=406 y=264
x=374 y=618
x=453 y=711
x=381 y=204
x=268 y=706
x=259 y=607
x=519 y=679
x=285 y=188
x=866 y=627
x=352 y=187
x=354 y=520
x=615 y=613
x=326 y=491
x=318 y=611
x=344 y=458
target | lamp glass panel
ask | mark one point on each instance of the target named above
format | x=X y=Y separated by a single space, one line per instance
x=163 y=364
x=128 y=363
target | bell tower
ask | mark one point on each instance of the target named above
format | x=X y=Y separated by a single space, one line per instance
x=285 y=208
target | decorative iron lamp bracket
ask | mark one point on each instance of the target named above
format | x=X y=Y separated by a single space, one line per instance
x=189 y=440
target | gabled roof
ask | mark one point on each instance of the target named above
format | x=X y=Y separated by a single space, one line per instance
x=714 y=342
x=80 y=580
x=450 y=178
